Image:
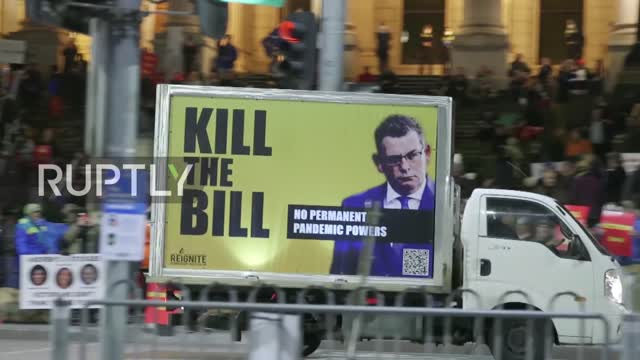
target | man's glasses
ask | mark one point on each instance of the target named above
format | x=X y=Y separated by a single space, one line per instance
x=395 y=160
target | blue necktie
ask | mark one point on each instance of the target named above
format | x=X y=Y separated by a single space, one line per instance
x=404 y=202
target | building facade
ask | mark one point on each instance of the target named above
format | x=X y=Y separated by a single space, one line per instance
x=484 y=32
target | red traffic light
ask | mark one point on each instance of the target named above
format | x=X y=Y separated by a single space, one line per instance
x=286 y=31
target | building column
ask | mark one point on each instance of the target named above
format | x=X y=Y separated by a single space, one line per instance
x=360 y=41
x=453 y=12
x=622 y=39
x=189 y=23
x=148 y=27
x=482 y=39
x=12 y=14
x=168 y=45
x=316 y=8
x=240 y=19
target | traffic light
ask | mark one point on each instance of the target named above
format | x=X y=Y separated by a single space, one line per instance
x=61 y=14
x=213 y=17
x=298 y=34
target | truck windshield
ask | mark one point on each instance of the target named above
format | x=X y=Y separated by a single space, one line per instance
x=594 y=241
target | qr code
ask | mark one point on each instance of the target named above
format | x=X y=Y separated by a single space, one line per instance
x=415 y=262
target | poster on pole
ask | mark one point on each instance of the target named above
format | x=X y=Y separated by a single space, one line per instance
x=122 y=234
x=124 y=220
x=46 y=278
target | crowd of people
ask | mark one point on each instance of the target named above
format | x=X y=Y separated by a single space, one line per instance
x=560 y=118
x=35 y=110
x=563 y=122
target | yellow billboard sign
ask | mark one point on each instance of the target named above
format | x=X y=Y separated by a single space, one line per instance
x=288 y=186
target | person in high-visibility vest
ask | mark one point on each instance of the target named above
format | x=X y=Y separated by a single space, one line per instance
x=33 y=234
x=29 y=233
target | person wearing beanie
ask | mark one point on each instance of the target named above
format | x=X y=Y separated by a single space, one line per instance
x=35 y=235
x=29 y=232
x=76 y=239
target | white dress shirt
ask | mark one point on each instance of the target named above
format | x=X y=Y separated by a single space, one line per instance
x=392 y=201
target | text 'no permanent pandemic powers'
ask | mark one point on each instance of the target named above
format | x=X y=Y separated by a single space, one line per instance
x=307 y=222
x=335 y=229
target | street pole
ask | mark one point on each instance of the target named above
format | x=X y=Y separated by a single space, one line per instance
x=96 y=91
x=332 y=48
x=60 y=329
x=124 y=83
x=121 y=130
x=96 y=88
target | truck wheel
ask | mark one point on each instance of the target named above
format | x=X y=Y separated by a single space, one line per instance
x=311 y=344
x=240 y=320
x=312 y=336
x=514 y=340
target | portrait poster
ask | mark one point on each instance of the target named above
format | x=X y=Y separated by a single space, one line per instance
x=45 y=278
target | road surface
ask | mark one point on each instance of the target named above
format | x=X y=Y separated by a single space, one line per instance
x=23 y=342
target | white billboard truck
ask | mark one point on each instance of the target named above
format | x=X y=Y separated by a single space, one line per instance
x=286 y=187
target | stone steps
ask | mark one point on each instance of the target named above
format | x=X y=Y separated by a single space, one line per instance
x=418 y=85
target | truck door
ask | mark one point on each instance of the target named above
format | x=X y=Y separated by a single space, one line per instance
x=527 y=245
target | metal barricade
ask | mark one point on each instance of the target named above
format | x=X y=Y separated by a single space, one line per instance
x=347 y=331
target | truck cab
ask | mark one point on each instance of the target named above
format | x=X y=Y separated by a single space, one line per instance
x=532 y=249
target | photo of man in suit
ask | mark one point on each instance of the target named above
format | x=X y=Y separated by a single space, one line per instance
x=403 y=157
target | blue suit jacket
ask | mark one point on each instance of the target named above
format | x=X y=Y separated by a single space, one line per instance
x=387 y=258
